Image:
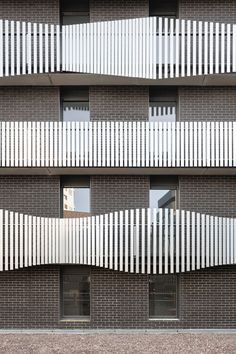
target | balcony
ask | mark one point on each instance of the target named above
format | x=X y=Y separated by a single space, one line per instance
x=117 y=148
x=146 y=241
x=137 y=51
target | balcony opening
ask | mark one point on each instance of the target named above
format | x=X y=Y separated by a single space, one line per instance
x=75 y=104
x=75 y=197
x=163 y=8
x=74 y=12
x=163 y=104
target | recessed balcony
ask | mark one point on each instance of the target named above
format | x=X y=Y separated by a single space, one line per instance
x=146 y=241
x=137 y=51
x=117 y=148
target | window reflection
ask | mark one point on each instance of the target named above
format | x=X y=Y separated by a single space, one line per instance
x=163 y=105
x=74 y=12
x=75 y=105
x=76 y=202
x=162 y=198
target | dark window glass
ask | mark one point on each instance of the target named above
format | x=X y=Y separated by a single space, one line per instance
x=163 y=296
x=163 y=192
x=74 y=12
x=165 y=8
x=75 y=105
x=163 y=104
x=75 y=293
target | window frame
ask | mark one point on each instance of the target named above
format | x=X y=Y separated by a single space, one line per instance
x=79 y=318
x=177 y=318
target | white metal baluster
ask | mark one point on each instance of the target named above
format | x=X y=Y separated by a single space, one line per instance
x=203 y=241
x=1 y=238
x=200 y=54
x=193 y=239
x=21 y=240
x=126 y=240
x=1 y=49
x=35 y=48
x=205 y=48
x=207 y=241
x=229 y=50
x=143 y=222
x=183 y=48
x=177 y=251
x=194 y=48
x=6 y=239
x=111 y=235
x=222 y=48
x=12 y=239
x=217 y=48
x=160 y=47
x=121 y=243
x=216 y=241
x=131 y=241
x=160 y=240
x=148 y=241
x=211 y=49
x=106 y=252
x=137 y=241
x=116 y=240
x=189 y=48
x=7 y=54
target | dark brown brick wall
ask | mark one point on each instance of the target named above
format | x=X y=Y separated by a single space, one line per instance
x=104 y=10
x=111 y=193
x=207 y=103
x=217 y=10
x=29 y=104
x=30 y=299
x=124 y=103
x=42 y=11
x=34 y=195
x=215 y=195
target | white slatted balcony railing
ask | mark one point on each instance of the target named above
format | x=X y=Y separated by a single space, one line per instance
x=146 y=48
x=147 y=241
x=117 y=144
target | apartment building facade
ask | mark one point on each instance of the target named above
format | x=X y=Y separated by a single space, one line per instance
x=118 y=156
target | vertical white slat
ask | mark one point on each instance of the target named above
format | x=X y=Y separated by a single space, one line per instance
x=177 y=46
x=7 y=144
x=137 y=215
x=166 y=47
x=206 y=48
x=227 y=241
x=234 y=241
x=23 y=36
x=6 y=27
x=85 y=237
x=166 y=242
x=183 y=48
x=81 y=244
x=1 y=237
x=160 y=240
x=191 y=144
x=91 y=142
x=230 y=144
x=194 y=49
x=131 y=241
x=126 y=240
x=198 y=244
x=193 y=239
x=211 y=48
x=234 y=49
x=38 y=240
x=29 y=49
x=143 y=228
x=74 y=240
x=226 y=147
x=126 y=134
x=121 y=144
x=64 y=144
x=12 y=243
x=171 y=39
x=171 y=241
x=143 y=143
x=134 y=143
x=35 y=48
x=222 y=48
x=224 y=240
x=207 y=241
x=12 y=48
x=41 y=48
x=46 y=49
x=182 y=241
x=21 y=240
x=111 y=236
x=217 y=48
x=29 y=143
x=26 y=254
x=216 y=241
x=99 y=141
x=42 y=252
x=6 y=239
x=188 y=236
x=33 y=237
x=160 y=47
x=33 y=142
x=93 y=227
x=106 y=251
x=12 y=145
x=104 y=145
x=177 y=243
x=208 y=144
x=121 y=241
x=229 y=51
x=189 y=47
x=154 y=240
x=108 y=145
x=164 y=144
x=112 y=144
x=200 y=45
x=30 y=240
x=147 y=138
x=68 y=143
x=183 y=146
x=204 y=153
x=58 y=47
x=203 y=241
x=116 y=241
x=46 y=239
x=211 y=241
x=169 y=144
x=148 y=233
x=1 y=47
x=220 y=243
x=231 y=261
x=186 y=143
x=221 y=143
x=52 y=48
x=16 y=240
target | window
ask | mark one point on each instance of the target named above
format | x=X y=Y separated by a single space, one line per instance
x=75 y=104
x=75 y=292
x=163 y=104
x=163 y=192
x=74 y=12
x=163 y=8
x=76 y=197
x=163 y=296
